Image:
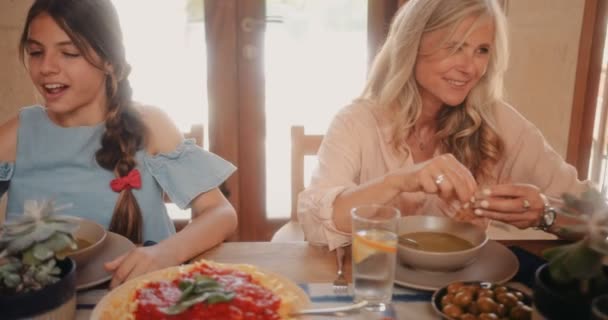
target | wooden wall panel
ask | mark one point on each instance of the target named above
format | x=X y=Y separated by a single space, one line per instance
x=221 y=36
x=591 y=47
x=379 y=15
x=252 y=127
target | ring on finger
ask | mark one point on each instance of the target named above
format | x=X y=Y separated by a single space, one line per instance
x=526 y=204
x=439 y=179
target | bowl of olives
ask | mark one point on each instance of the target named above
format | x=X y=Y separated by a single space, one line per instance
x=476 y=300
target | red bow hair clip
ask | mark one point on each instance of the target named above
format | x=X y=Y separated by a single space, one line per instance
x=131 y=181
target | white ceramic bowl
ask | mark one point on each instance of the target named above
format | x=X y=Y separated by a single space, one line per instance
x=93 y=233
x=440 y=261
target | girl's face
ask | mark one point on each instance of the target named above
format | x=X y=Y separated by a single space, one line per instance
x=73 y=88
x=448 y=67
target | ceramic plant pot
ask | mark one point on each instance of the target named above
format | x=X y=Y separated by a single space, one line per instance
x=558 y=301
x=56 y=301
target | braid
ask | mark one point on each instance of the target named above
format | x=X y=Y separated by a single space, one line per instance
x=122 y=138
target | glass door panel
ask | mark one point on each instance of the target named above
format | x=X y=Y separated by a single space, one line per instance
x=315 y=63
x=169 y=61
x=168 y=58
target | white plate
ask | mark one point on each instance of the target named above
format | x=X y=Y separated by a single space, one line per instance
x=495 y=263
x=117 y=302
x=93 y=273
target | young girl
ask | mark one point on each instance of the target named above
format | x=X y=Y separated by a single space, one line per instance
x=431 y=133
x=90 y=146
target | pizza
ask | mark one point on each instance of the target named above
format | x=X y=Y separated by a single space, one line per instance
x=203 y=290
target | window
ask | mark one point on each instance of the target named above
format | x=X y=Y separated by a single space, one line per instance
x=165 y=44
x=315 y=64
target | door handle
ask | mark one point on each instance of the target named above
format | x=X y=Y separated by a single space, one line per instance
x=249 y=24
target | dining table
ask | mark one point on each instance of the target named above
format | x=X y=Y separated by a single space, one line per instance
x=314 y=268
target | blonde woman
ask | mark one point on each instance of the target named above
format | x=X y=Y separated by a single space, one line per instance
x=431 y=134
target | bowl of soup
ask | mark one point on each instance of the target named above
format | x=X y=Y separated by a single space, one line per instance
x=89 y=238
x=438 y=243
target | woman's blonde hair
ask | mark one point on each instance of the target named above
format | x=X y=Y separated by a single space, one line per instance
x=465 y=131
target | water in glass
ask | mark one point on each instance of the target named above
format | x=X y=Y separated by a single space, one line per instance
x=374 y=257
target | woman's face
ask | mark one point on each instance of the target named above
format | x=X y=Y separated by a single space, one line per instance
x=448 y=67
x=73 y=88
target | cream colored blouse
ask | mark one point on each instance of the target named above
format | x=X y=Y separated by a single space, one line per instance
x=356 y=149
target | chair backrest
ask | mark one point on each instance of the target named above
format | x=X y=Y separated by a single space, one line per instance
x=197 y=132
x=302 y=145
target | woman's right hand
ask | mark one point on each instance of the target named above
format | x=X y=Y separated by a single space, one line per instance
x=442 y=175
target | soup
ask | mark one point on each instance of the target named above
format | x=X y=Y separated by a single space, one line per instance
x=435 y=242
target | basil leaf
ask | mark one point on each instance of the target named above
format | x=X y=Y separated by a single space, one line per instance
x=201 y=289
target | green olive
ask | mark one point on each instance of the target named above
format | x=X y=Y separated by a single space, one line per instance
x=488 y=316
x=501 y=310
x=485 y=293
x=521 y=312
x=447 y=299
x=487 y=305
x=467 y=316
x=452 y=310
x=473 y=288
x=500 y=289
x=454 y=287
x=507 y=298
x=473 y=308
x=463 y=298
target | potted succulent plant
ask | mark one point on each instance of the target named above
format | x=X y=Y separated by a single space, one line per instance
x=575 y=273
x=34 y=281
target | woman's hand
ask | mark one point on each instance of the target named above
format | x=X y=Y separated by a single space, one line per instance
x=140 y=261
x=443 y=175
x=518 y=204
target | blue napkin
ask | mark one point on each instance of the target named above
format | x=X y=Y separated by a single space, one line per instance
x=528 y=263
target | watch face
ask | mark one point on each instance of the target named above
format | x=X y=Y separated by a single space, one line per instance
x=549 y=217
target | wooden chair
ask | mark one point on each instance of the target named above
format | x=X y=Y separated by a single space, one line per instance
x=302 y=145
x=197 y=133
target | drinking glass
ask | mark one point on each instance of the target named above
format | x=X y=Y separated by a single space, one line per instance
x=374 y=231
x=599 y=308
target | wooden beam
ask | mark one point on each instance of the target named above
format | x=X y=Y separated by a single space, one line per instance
x=588 y=72
x=222 y=84
x=379 y=16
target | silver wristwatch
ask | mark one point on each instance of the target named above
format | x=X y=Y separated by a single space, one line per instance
x=548 y=218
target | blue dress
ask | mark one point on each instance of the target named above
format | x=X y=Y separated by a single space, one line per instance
x=58 y=163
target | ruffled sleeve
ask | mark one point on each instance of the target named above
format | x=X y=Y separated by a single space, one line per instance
x=188 y=171
x=6 y=173
x=530 y=159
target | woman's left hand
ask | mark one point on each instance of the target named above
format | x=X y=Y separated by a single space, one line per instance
x=140 y=261
x=518 y=204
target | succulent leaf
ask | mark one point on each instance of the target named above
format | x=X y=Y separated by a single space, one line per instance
x=60 y=241
x=12 y=280
x=581 y=261
x=18 y=230
x=63 y=226
x=29 y=247
x=42 y=252
x=42 y=232
x=20 y=244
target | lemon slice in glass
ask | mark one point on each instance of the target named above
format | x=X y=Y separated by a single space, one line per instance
x=369 y=242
